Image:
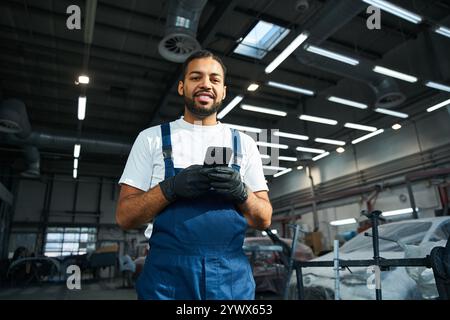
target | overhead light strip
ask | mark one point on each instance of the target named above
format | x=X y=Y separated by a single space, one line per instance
x=321 y=156
x=263 y=110
x=347 y=102
x=287 y=52
x=310 y=150
x=396 y=10
x=392 y=113
x=330 y=141
x=395 y=74
x=398 y=212
x=332 y=55
x=81 y=107
x=437 y=86
x=443 y=31
x=291 y=135
x=290 y=88
x=359 y=127
x=368 y=136
x=439 y=105
x=318 y=119
x=233 y=103
x=276 y=175
x=343 y=222
x=274 y=168
x=292 y=159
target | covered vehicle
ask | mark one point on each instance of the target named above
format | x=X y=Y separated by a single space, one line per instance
x=269 y=261
x=404 y=239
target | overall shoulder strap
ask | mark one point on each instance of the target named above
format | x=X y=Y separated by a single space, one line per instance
x=237 y=152
x=167 y=150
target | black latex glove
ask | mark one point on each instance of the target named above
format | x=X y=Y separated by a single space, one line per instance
x=188 y=183
x=227 y=181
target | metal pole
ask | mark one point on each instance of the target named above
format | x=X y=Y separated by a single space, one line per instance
x=336 y=271
x=376 y=252
x=291 y=261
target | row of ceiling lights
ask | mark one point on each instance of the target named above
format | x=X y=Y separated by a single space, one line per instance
x=82 y=101
x=299 y=40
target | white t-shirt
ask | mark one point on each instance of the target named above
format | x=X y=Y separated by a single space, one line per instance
x=145 y=165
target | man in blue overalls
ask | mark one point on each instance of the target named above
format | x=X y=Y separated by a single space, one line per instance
x=200 y=215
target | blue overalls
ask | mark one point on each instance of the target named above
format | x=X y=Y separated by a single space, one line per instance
x=196 y=246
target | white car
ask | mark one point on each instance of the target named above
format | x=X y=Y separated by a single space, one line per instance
x=411 y=239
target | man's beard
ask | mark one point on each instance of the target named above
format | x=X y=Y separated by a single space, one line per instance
x=201 y=111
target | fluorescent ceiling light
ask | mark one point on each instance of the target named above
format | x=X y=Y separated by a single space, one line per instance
x=439 y=105
x=443 y=31
x=290 y=135
x=318 y=119
x=75 y=173
x=348 y=102
x=438 y=86
x=323 y=155
x=343 y=222
x=75 y=163
x=396 y=126
x=398 y=212
x=230 y=106
x=310 y=150
x=76 y=150
x=290 y=88
x=286 y=52
x=272 y=145
x=340 y=150
x=81 y=107
x=329 y=141
x=244 y=128
x=292 y=159
x=263 y=110
x=360 y=127
x=367 y=136
x=83 y=79
x=395 y=74
x=274 y=168
x=392 y=113
x=253 y=87
x=332 y=55
x=276 y=175
x=395 y=10
x=261 y=39
x=300 y=168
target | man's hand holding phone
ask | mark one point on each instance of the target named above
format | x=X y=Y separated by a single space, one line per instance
x=223 y=179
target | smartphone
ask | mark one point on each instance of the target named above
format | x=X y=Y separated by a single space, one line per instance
x=217 y=156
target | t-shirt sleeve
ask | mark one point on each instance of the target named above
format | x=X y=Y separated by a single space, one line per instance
x=254 y=173
x=138 y=169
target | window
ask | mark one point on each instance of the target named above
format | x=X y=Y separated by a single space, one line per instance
x=65 y=241
x=261 y=39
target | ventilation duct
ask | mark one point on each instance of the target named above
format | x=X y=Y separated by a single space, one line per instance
x=14 y=118
x=334 y=15
x=14 y=121
x=180 y=41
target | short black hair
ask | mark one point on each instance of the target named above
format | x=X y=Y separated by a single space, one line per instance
x=201 y=54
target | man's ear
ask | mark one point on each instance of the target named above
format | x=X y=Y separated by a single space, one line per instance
x=181 y=88
x=224 y=92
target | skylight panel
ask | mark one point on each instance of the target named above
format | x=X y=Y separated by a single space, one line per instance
x=261 y=39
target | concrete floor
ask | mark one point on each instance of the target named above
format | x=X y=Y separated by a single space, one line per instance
x=98 y=290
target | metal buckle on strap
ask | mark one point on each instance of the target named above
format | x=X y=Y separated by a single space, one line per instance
x=167 y=153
